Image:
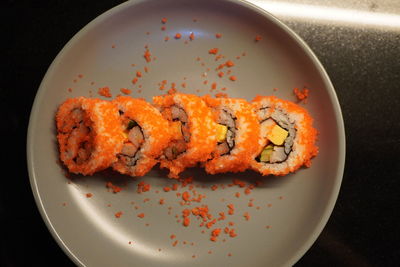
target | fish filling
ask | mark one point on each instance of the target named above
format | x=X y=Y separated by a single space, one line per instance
x=131 y=149
x=280 y=133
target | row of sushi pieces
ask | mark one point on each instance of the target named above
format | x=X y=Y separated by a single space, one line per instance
x=269 y=135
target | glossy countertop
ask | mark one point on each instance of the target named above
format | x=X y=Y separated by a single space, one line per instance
x=358 y=43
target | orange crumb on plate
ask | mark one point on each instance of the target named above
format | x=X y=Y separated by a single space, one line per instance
x=104 y=91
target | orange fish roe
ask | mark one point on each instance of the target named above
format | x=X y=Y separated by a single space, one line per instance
x=178 y=35
x=222 y=216
x=162 y=201
x=218 y=35
x=257 y=38
x=211 y=223
x=175 y=187
x=237 y=194
x=163 y=28
x=213 y=51
x=215 y=233
x=125 y=91
x=172 y=236
x=186 y=221
x=114 y=188
x=214 y=187
x=138 y=74
x=231 y=223
x=221 y=95
x=214 y=86
x=164 y=20
x=166 y=38
x=118 y=214
x=247 y=191
x=89 y=195
x=231 y=208
x=221 y=74
x=233 y=78
x=229 y=63
x=175 y=243
x=105 y=91
x=186 y=196
x=301 y=94
x=238 y=183
x=141 y=215
x=147 y=55
x=246 y=216
x=135 y=80
x=166 y=189
x=191 y=36
x=232 y=233
x=143 y=187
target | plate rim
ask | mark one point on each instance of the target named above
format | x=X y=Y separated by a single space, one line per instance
x=245 y=4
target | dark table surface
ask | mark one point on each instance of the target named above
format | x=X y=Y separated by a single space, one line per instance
x=363 y=61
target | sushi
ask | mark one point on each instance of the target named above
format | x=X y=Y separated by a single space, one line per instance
x=287 y=137
x=193 y=131
x=237 y=129
x=88 y=134
x=146 y=135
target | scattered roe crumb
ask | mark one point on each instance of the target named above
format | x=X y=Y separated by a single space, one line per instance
x=166 y=38
x=232 y=233
x=231 y=208
x=64 y=204
x=163 y=28
x=70 y=90
x=215 y=233
x=147 y=55
x=105 y=91
x=135 y=80
x=229 y=63
x=162 y=201
x=237 y=194
x=191 y=36
x=80 y=76
x=221 y=95
x=113 y=46
x=125 y=91
x=118 y=214
x=178 y=35
x=247 y=191
x=233 y=78
x=246 y=216
x=218 y=35
x=164 y=20
x=89 y=195
x=138 y=74
x=114 y=188
x=257 y=38
x=301 y=94
x=229 y=254
x=175 y=243
x=141 y=215
x=193 y=256
x=143 y=187
x=221 y=74
x=210 y=252
x=172 y=236
x=213 y=51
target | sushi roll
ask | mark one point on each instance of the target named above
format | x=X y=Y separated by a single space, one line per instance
x=88 y=134
x=287 y=137
x=193 y=131
x=237 y=129
x=146 y=135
